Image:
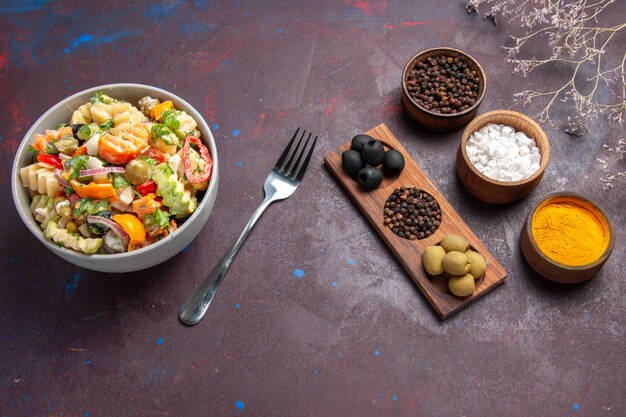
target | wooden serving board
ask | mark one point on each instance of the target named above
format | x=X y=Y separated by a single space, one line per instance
x=409 y=252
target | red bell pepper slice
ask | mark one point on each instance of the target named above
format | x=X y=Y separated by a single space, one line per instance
x=192 y=175
x=147 y=188
x=51 y=160
x=155 y=154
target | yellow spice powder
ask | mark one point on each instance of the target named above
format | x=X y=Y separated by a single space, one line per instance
x=570 y=231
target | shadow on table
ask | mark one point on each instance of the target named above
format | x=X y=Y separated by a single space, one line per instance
x=76 y=310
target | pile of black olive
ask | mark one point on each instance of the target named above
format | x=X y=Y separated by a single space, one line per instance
x=364 y=151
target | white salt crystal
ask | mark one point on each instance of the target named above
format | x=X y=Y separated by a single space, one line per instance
x=524 y=141
x=507 y=131
x=501 y=153
x=534 y=158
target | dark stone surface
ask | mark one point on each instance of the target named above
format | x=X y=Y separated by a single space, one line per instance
x=351 y=337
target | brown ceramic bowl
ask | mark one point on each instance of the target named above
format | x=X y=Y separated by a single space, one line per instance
x=440 y=122
x=551 y=269
x=488 y=189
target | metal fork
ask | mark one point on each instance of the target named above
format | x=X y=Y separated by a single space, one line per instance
x=280 y=184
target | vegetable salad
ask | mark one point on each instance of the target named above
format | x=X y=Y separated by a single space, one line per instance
x=117 y=178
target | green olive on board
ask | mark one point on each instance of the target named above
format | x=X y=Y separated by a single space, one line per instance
x=432 y=259
x=454 y=242
x=455 y=263
x=462 y=286
x=477 y=262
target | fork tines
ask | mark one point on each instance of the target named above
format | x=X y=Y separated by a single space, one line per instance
x=290 y=168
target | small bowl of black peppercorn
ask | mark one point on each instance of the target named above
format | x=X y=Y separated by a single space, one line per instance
x=442 y=88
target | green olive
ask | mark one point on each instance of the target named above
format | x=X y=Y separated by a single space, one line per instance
x=138 y=171
x=454 y=242
x=477 y=262
x=455 y=263
x=433 y=255
x=462 y=286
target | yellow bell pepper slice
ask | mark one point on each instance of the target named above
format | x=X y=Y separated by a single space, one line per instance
x=131 y=225
x=93 y=190
x=160 y=108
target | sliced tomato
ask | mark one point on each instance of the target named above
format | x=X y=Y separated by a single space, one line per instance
x=147 y=188
x=51 y=160
x=117 y=150
x=193 y=171
x=155 y=154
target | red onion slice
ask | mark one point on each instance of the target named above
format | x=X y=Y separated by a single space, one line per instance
x=103 y=170
x=117 y=229
x=57 y=175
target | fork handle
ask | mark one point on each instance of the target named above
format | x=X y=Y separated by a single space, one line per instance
x=196 y=306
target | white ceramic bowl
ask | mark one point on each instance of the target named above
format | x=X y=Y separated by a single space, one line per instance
x=129 y=261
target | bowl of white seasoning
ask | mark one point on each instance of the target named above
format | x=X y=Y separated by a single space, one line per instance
x=502 y=156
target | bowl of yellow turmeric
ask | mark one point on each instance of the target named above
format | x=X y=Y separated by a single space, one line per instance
x=567 y=238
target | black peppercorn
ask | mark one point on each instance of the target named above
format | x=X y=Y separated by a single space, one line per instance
x=447 y=84
x=408 y=220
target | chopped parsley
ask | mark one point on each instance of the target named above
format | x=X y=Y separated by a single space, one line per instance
x=84 y=132
x=148 y=160
x=119 y=181
x=75 y=164
x=160 y=131
x=170 y=119
x=158 y=219
x=100 y=97
x=107 y=125
x=87 y=206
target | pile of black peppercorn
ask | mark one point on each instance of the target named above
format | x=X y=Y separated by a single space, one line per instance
x=412 y=213
x=443 y=84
